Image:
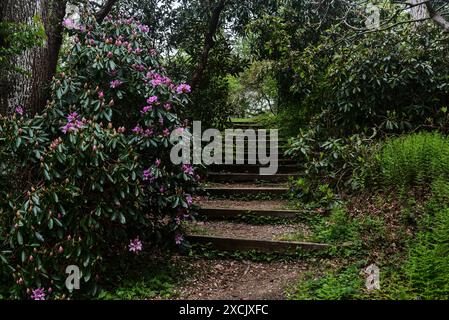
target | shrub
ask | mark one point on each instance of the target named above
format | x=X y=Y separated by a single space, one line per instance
x=414 y=160
x=79 y=186
x=331 y=164
x=347 y=284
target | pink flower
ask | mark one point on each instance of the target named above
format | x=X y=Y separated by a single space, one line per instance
x=110 y=54
x=135 y=246
x=101 y=95
x=179 y=239
x=158 y=162
x=146 y=109
x=19 y=110
x=183 y=88
x=138 y=51
x=121 y=130
x=156 y=82
x=166 y=132
x=148 y=133
x=137 y=130
x=167 y=106
x=115 y=84
x=72 y=117
x=148 y=175
x=189 y=199
x=152 y=100
x=38 y=294
x=188 y=169
x=144 y=28
x=73 y=124
x=70 y=24
x=162 y=190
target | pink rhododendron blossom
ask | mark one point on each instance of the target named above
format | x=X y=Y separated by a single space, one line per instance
x=137 y=130
x=179 y=239
x=148 y=175
x=38 y=294
x=135 y=246
x=70 y=24
x=189 y=199
x=167 y=106
x=73 y=124
x=115 y=84
x=110 y=54
x=166 y=132
x=158 y=162
x=138 y=51
x=19 y=110
x=188 y=169
x=183 y=88
x=148 y=133
x=101 y=95
x=152 y=100
x=144 y=28
x=146 y=109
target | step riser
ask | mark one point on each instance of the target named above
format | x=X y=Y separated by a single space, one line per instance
x=249 y=178
x=229 y=244
x=251 y=169
x=246 y=192
x=233 y=214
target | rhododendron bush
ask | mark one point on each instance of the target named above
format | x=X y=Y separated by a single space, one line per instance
x=90 y=179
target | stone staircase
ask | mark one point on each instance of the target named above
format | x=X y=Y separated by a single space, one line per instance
x=237 y=191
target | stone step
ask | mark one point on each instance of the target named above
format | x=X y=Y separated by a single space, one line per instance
x=251 y=168
x=246 y=191
x=236 y=213
x=267 y=246
x=248 y=177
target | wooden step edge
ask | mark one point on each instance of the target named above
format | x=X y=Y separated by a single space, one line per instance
x=268 y=246
x=246 y=191
x=249 y=177
x=236 y=213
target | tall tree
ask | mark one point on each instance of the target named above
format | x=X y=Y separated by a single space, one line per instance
x=29 y=88
x=208 y=42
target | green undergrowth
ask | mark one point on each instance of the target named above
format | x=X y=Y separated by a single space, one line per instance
x=207 y=252
x=412 y=252
x=151 y=277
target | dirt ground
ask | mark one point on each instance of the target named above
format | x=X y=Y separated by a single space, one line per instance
x=241 y=280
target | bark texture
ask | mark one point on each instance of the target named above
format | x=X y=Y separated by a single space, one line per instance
x=441 y=21
x=418 y=10
x=30 y=89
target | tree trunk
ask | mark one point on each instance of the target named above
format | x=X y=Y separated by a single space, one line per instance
x=418 y=10
x=105 y=10
x=30 y=89
x=208 y=43
x=437 y=18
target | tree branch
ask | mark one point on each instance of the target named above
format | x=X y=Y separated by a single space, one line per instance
x=437 y=17
x=105 y=10
x=208 y=43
